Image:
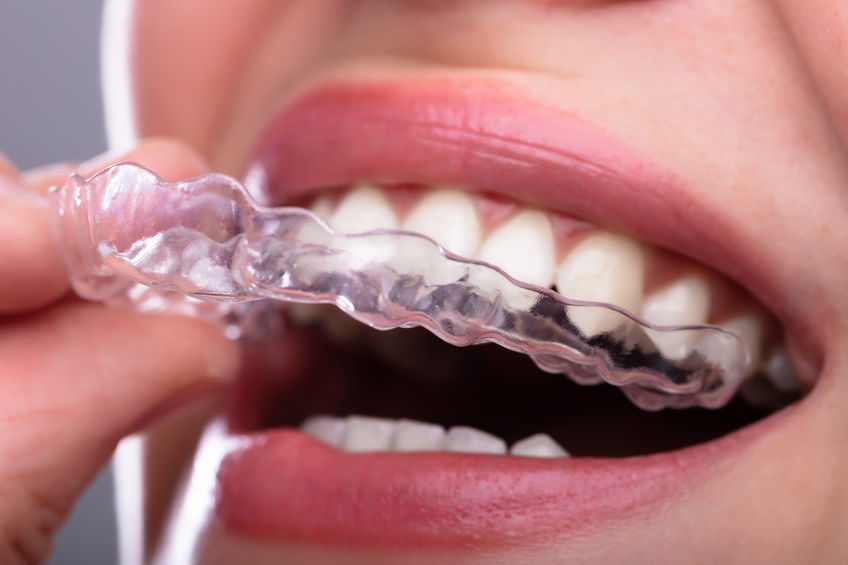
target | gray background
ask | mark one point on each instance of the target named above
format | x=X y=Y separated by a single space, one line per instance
x=50 y=110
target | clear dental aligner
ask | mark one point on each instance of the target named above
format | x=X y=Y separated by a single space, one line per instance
x=203 y=247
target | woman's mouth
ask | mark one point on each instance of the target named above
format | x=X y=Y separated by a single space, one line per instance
x=347 y=435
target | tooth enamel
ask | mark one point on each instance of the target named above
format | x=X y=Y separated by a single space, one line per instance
x=750 y=329
x=779 y=371
x=368 y=434
x=417 y=436
x=523 y=247
x=448 y=216
x=323 y=207
x=684 y=302
x=462 y=439
x=363 y=209
x=366 y=208
x=326 y=429
x=539 y=445
x=604 y=267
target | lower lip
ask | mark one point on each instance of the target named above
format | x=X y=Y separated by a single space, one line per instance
x=284 y=486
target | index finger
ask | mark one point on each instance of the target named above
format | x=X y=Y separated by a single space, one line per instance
x=32 y=273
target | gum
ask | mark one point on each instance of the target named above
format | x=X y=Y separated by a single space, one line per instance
x=203 y=247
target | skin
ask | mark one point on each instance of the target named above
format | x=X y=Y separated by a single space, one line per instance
x=745 y=100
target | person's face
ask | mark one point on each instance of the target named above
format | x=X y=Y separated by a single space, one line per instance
x=714 y=129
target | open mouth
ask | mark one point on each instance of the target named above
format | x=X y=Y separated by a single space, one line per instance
x=361 y=436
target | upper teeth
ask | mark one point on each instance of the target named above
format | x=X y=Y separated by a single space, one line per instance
x=448 y=216
x=600 y=267
x=366 y=434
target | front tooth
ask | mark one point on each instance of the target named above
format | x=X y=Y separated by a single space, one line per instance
x=523 y=247
x=327 y=429
x=749 y=328
x=539 y=445
x=463 y=439
x=447 y=216
x=604 y=267
x=417 y=436
x=363 y=209
x=684 y=302
x=368 y=434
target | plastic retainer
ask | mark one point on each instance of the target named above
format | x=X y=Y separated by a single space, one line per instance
x=203 y=247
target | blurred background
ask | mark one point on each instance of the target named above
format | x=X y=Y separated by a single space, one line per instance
x=51 y=111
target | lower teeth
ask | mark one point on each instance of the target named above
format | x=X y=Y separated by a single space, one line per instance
x=367 y=434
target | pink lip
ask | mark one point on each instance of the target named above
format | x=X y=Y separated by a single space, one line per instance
x=491 y=137
x=288 y=487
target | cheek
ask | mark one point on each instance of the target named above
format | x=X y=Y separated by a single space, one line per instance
x=820 y=30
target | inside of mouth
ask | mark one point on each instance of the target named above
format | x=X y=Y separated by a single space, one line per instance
x=338 y=368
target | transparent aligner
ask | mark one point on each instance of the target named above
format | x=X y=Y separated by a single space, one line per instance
x=203 y=247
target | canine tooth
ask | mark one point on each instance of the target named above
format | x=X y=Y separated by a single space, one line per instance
x=417 y=436
x=448 y=216
x=683 y=302
x=363 y=209
x=523 y=247
x=539 y=445
x=463 y=439
x=750 y=329
x=327 y=429
x=368 y=434
x=604 y=267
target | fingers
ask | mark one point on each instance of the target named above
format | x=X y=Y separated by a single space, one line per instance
x=76 y=378
x=32 y=273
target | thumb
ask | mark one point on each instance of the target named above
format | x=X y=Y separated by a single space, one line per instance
x=74 y=380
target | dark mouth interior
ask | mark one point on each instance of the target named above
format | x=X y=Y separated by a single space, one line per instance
x=409 y=373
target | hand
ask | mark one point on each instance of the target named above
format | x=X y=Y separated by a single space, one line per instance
x=76 y=377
